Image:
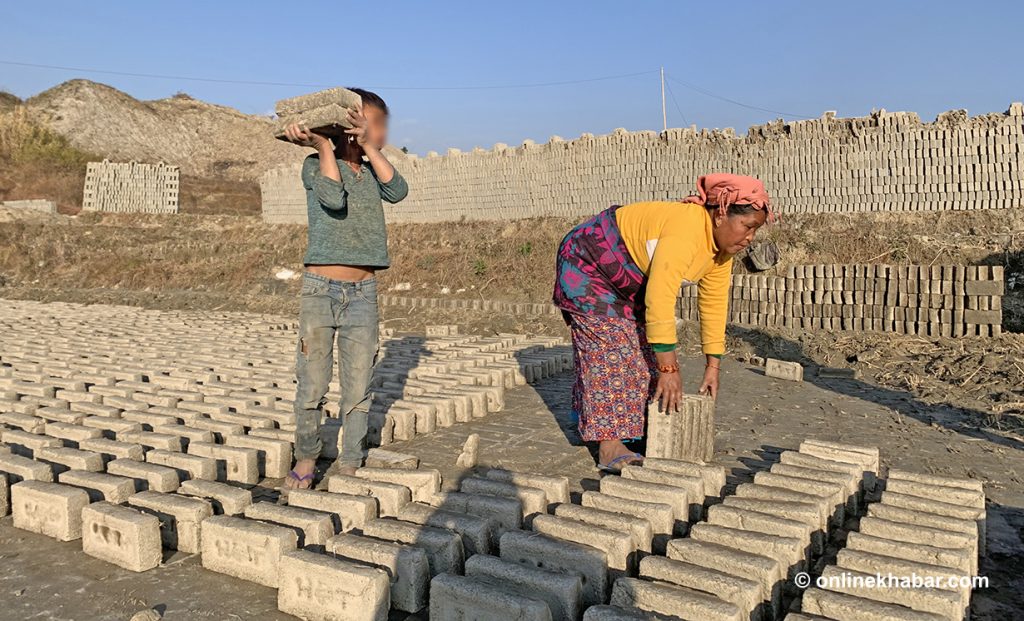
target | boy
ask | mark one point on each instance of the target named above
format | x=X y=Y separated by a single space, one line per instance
x=347 y=244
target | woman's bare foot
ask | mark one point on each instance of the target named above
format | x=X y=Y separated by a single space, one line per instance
x=610 y=450
x=301 y=476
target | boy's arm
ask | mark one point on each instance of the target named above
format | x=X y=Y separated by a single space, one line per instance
x=330 y=193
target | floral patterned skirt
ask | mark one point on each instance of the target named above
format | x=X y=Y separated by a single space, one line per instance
x=600 y=291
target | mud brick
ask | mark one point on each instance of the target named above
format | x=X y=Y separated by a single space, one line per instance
x=25 y=444
x=841 y=606
x=63 y=458
x=112 y=449
x=406 y=565
x=390 y=497
x=273 y=434
x=947 y=604
x=833 y=493
x=633 y=489
x=274 y=457
x=22 y=468
x=227 y=499
x=555 y=487
x=764 y=570
x=506 y=513
x=149 y=419
x=221 y=430
x=673 y=600
x=531 y=499
x=931 y=479
x=865 y=455
x=239 y=464
x=59 y=415
x=100 y=486
x=688 y=434
x=190 y=434
x=120 y=535
x=73 y=396
x=769 y=524
x=280 y=417
x=745 y=594
x=349 y=511
x=638 y=528
x=314 y=527
x=25 y=422
x=932 y=538
x=804 y=460
x=336 y=96
x=422 y=483
x=123 y=402
x=150 y=440
x=245 y=549
x=660 y=515
x=321 y=588
x=605 y=612
x=943 y=493
x=146 y=476
x=202 y=407
x=180 y=518
x=962 y=559
x=459 y=597
x=73 y=434
x=938 y=507
x=5 y=495
x=849 y=481
x=189 y=466
x=781 y=369
x=543 y=552
x=382 y=458
x=563 y=593
x=112 y=426
x=444 y=550
x=243 y=420
x=713 y=476
x=693 y=486
x=31 y=388
x=885 y=565
x=789 y=551
x=617 y=546
x=49 y=509
x=476 y=532
x=894 y=523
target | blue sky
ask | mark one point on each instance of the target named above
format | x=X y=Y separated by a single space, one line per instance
x=796 y=57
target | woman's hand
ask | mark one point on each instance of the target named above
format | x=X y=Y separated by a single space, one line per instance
x=359 y=128
x=303 y=136
x=669 y=391
x=709 y=385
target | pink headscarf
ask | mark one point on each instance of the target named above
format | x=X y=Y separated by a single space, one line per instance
x=724 y=189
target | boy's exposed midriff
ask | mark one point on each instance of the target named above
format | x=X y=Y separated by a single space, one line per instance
x=348 y=273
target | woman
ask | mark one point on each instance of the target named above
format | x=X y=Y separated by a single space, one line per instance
x=619 y=275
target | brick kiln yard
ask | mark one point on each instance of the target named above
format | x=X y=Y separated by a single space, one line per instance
x=117 y=381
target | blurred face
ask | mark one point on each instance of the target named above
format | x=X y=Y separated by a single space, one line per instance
x=377 y=125
x=733 y=233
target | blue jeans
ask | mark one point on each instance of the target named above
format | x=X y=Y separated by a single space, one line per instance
x=348 y=311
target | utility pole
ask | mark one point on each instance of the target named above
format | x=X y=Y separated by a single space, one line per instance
x=664 y=117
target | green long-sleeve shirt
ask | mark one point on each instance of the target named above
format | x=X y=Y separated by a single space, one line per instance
x=346 y=218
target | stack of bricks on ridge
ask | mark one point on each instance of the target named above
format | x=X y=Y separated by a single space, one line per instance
x=130 y=187
x=131 y=452
x=886 y=162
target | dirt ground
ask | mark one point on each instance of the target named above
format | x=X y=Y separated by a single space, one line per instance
x=756 y=417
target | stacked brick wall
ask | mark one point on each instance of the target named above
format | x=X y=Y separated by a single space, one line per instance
x=131 y=187
x=947 y=300
x=882 y=162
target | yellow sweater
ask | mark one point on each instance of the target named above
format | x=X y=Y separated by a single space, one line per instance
x=686 y=253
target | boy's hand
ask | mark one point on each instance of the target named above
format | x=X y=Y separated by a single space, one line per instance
x=303 y=136
x=359 y=128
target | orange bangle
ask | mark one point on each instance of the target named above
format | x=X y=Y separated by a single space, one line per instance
x=668 y=368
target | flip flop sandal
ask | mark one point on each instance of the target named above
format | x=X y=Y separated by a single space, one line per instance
x=295 y=475
x=608 y=467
